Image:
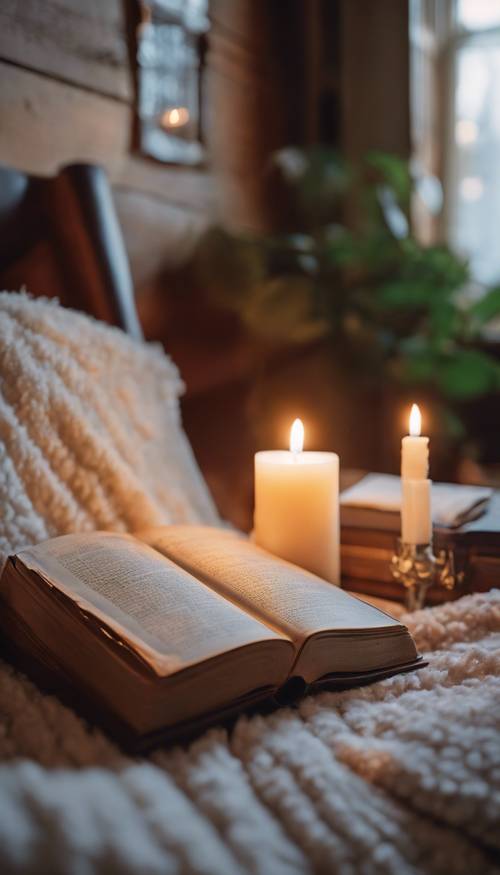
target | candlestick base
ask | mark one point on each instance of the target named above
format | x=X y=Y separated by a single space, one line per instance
x=416 y=567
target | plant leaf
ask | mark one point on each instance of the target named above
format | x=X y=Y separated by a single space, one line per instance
x=394 y=171
x=468 y=373
x=419 y=368
x=487 y=307
x=445 y=320
x=404 y=294
x=281 y=310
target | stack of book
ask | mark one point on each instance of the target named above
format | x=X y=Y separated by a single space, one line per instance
x=466 y=520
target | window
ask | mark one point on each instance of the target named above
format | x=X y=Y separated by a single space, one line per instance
x=472 y=181
x=456 y=121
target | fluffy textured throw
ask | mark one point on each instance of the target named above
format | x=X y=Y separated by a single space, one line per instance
x=90 y=434
x=401 y=777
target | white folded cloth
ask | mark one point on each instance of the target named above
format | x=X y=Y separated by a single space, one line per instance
x=452 y=503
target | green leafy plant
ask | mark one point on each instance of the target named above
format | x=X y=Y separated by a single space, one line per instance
x=392 y=307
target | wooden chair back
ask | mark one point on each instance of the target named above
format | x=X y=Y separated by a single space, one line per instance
x=60 y=237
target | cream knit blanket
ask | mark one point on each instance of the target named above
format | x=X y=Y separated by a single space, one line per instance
x=401 y=777
x=90 y=433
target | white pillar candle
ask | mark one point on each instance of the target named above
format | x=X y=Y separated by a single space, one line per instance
x=297 y=506
x=416 y=519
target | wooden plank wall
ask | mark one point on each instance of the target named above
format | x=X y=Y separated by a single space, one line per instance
x=66 y=95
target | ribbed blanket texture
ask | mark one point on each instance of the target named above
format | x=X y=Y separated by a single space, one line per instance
x=90 y=432
x=401 y=777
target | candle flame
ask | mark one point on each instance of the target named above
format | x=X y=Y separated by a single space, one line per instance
x=415 y=421
x=297 y=436
x=175 y=118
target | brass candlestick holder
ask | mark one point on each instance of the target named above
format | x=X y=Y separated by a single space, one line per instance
x=416 y=567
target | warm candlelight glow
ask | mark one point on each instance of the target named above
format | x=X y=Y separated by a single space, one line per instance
x=175 y=118
x=297 y=437
x=415 y=421
x=297 y=505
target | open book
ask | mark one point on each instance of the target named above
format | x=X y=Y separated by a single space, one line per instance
x=185 y=625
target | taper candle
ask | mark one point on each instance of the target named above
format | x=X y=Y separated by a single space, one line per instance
x=416 y=519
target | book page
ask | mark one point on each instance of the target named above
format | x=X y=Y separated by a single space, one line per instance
x=286 y=597
x=169 y=618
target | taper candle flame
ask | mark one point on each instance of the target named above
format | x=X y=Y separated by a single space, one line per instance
x=415 y=421
x=297 y=437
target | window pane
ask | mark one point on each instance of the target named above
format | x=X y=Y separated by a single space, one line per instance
x=478 y=14
x=474 y=187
